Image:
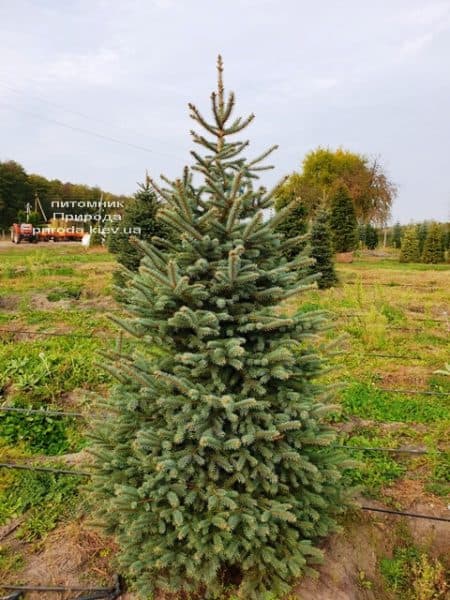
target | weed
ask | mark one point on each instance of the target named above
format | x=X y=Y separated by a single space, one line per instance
x=65 y=292
x=10 y=561
x=396 y=570
x=393 y=314
x=43 y=369
x=375 y=468
x=411 y=575
x=48 y=497
x=429 y=579
x=38 y=433
x=370 y=328
x=363 y=582
x=439 y=481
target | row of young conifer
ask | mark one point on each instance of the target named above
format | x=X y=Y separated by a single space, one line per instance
x=425 y=242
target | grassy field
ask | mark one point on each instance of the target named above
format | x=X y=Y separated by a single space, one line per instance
x=395 y=325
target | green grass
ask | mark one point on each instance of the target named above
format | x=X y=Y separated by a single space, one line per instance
x=363 y=400
x=376 y=469
x=40 y=371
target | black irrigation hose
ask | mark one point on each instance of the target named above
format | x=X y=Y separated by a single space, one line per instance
x=383 y=449
x=395 y=285
x=93 y=593
x=70 y=335
x=413 y=451
x=45 y=413
x=48 y=333
x=45 y=469
x=405 y=514
x=410 y=357
x=420 y=392
x=55 y=588
x=425 y=320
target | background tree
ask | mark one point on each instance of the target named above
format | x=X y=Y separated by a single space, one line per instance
x=446 y=236
x=35 y=218
x=433 y=249
x=410 y=246
x=322 y=251
x=397 y=235
x=140 y=211
x=15 y=192
x=295 y=225
x=370 y=237
x=324 y=170
x=17 y=188
x=343 y=224
x=422 y=232
x=216 y=456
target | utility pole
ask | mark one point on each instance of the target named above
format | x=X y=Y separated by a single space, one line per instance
x=37 y=203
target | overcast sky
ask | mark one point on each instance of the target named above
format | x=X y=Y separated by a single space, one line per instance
x=372 y=77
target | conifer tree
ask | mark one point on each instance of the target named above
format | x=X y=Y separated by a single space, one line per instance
x=322 y=251
x=295 y=225
x=138 y=221
x=361 y=234
x=410 y=246
x=343 y=224
x=433 y=248
x=370 y=237
x=397 y=235
x=216 y=457
x=422 y=232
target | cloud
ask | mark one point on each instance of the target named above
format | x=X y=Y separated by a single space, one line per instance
x=100 y=67
x=427 y=14
x=412 y=47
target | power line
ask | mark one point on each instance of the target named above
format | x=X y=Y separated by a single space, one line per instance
x=73 y=112
x=86 y=131
x=56 y=105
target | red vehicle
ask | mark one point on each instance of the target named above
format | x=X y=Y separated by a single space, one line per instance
x=22 y=231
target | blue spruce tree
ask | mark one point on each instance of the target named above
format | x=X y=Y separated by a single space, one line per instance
x=217 y=459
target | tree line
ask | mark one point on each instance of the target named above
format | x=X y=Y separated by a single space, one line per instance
x=17 y=188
